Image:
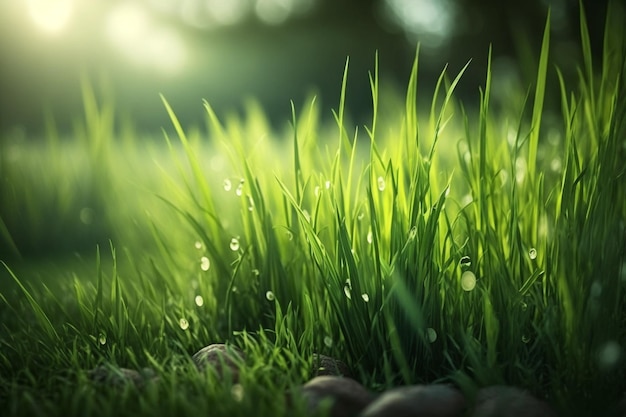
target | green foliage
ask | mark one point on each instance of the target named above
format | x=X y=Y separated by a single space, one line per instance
x=504 y=266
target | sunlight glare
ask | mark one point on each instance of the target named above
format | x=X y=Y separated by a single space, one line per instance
x=430 y=21
x=227 y=12
x=131 y=29
x=51 y=16
x=273 y=12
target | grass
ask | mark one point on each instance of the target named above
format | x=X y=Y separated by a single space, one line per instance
x=478 y=246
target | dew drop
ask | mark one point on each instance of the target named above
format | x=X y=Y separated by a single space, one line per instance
x=199 y=300
x=468 y=281
x=596 y=289
x=327 y=184
x=205 y=263
x=360 y=216
x=431 y=334
x=381 y=184
x=370 y=237
x=269 y=295
x=198 y=245
x=237 y=392
x=532 y=253
x=347 y=292
x=234 y=244
x=523 y=306
x=86 y=215
x=102 y=339
x=316 y=191
x=239 y=189
x=525 y=338
x=289 y=235
x=609 y=354
x=365 y=297
x=227 y=185
x=183 y=323
x=556 y=165
x=256 y=273
x=465 y=261
x=250 y=203
x=328 y=341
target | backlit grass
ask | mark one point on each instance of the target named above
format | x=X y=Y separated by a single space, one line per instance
x=468 y=245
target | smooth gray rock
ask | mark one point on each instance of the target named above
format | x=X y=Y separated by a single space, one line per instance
x=347 y=396
x=435 y=400
x=120 y=377
x=506 y=401
x=220 y=358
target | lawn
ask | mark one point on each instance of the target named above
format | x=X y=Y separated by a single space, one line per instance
x=472 y=245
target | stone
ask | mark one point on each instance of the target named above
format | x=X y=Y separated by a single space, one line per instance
x=347 y=396
x=220 y=358
x=326 y=365
x=120 y=377
x=435 y=400
x=507 y=401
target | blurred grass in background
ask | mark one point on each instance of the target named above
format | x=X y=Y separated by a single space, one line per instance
x=478 y=245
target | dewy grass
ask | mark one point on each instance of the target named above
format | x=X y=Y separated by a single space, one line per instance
x=505 y=266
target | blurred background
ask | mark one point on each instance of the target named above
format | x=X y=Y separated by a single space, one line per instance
x=226 y=51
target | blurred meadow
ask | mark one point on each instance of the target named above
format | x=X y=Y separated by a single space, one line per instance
x=429 y=190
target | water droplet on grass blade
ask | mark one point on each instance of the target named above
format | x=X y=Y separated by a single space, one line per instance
x=205 y=263
x=532 y=253
x=227 y=185
x=199 y=300
x=465 y=261
x=609 y=354
x=347 y=292
x=596 y=289
x=239 y=190
x=431 y=334
x=183 y=323
x=556 y=165
x=198 y=245
x=327 y=184
x=381 y=184
x=328 y=341
x=365 y=298
x=237 y=392
x=234 y=244
x=86 y=215
x=525 y=338
x=370 y=237
x=102 y=339
x=269 y=295
x=316 y=191
x=468 y=281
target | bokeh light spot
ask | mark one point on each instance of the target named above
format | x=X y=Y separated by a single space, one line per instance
x=51 y=16
x=133 y=31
